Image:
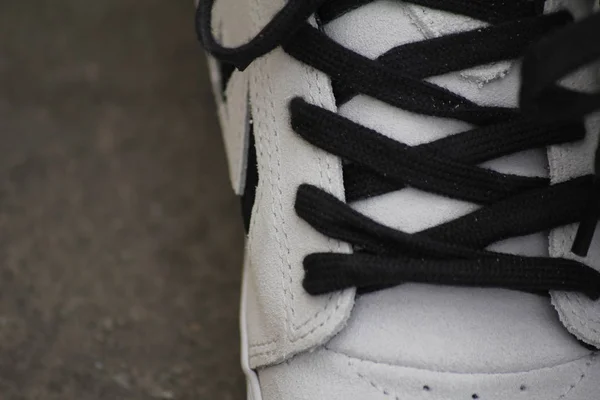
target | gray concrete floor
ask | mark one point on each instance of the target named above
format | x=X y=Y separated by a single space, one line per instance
x=120 y=241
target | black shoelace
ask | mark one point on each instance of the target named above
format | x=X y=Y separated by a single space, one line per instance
x=453 y=253
x=551 y=59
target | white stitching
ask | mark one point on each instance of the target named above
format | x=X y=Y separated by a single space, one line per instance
x=316 y=77
x=590 y=356
x=377 y=387
x=261 y=145
x=577 y=382
x=268 y=349
x=284 y=250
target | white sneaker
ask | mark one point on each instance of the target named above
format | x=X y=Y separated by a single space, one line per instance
x=398 y=204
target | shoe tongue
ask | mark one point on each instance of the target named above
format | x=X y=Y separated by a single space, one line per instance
x=427 y=326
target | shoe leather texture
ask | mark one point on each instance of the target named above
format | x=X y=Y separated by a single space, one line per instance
x=412 y=341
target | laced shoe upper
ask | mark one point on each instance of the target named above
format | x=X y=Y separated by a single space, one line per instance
x=490 y=200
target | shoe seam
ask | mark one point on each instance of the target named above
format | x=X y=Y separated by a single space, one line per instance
x=592 y=358
x=352 y=362
x=284 y=247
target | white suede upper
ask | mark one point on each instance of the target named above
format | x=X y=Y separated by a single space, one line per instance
x=329 y=375
x=456 y=329
x=412 y=341
x=283 y=319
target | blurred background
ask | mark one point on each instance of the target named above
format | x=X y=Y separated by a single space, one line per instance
x=120 y=239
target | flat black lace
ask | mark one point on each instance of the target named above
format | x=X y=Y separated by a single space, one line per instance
x=453 y=253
